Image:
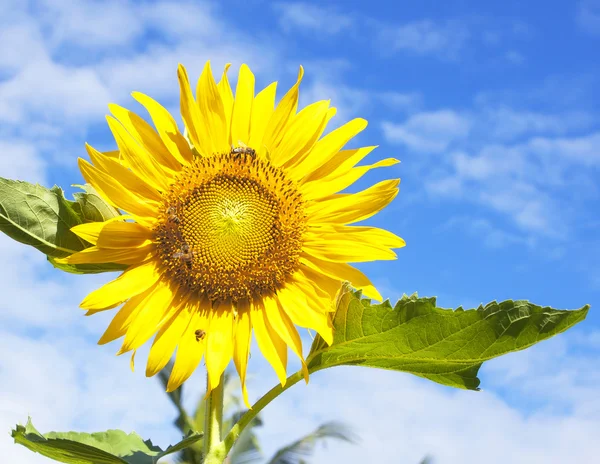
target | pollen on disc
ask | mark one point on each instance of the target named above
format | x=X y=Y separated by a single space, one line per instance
x=231 y=227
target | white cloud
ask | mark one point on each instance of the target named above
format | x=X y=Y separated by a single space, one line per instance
x=588 y=16
x=307 y=18
x=401 y=418
x=483 y=229
x=429 y=131
x=583 y=150
x=523 y=164
x=89 y=24
x=513 y=180
x=52 y=91
x=23 y=161
x=113 y=26
x=427 y=37
x=507 y=123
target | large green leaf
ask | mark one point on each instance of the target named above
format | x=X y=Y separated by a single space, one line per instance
x=443 y=345
x=41 y=217
x=110 y=447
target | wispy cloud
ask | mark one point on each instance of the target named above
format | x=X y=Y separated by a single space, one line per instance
x=311 y=18
x=402 y=419
x=426 y=37
x=428 y=131
x=517 y=162
x=588 y=16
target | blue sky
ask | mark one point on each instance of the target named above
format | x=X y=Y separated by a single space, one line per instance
x=492 y=109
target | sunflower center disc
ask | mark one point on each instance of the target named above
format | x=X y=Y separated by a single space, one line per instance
x=231 y=227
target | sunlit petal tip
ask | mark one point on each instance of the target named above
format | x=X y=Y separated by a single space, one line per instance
x=305 y=372
x=226 y=67
x=121 y=351
x=173 y=385
x=132 y=361
x=113 y=108
x=207 y=70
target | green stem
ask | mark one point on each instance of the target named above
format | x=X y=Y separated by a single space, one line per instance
x=238 y=428
x=214 y=449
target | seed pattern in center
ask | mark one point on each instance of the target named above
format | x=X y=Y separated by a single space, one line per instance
x=231 y=227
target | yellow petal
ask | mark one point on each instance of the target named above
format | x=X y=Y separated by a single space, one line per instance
x=227 y=99
x=190 y=350
x=118 y=326
x=241 y=347
x=219 y=343
x=95 y=255
x=146 y=322
x=306 y=150
x=90 y=231
x=138 y=158
x=262 y=110
x=115 y=155
x=242 y=107
x=329 y=185
x=363 y=234
x=117 y=234
x=342 y=272
x=166 y=128
x=133 y=281
x=191 y=113
x=283 y=325
x=114 y=234
x=306 y=310
x=166 y=340
x=342 y=161
x=326 y=284
x=115 y=193
x=302 y=133
x=345 y=250
x=118 y=169
x=270 y=344
x=214 y=131
x=146 y=136
x=282 y=115
x=327 y=147
x=354 y=207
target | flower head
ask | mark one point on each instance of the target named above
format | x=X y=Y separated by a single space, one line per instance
x=233 y=226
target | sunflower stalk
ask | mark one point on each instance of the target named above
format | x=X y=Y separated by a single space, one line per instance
x=257 y=407
x=214 y=448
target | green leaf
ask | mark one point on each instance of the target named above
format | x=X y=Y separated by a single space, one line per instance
x=41 y=217
x=91 y=207
x=110 y=447
x=442 y=345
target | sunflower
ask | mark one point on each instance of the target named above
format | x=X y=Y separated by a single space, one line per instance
x=233 y=225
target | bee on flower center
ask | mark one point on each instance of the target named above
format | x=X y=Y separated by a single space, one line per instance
x=172 y=215
x=186 y=254
x=243 y=151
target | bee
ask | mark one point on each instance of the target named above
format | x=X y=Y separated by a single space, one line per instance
x=172 y=215
x=186 y=254
x=237 y=152
x=200 y=334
